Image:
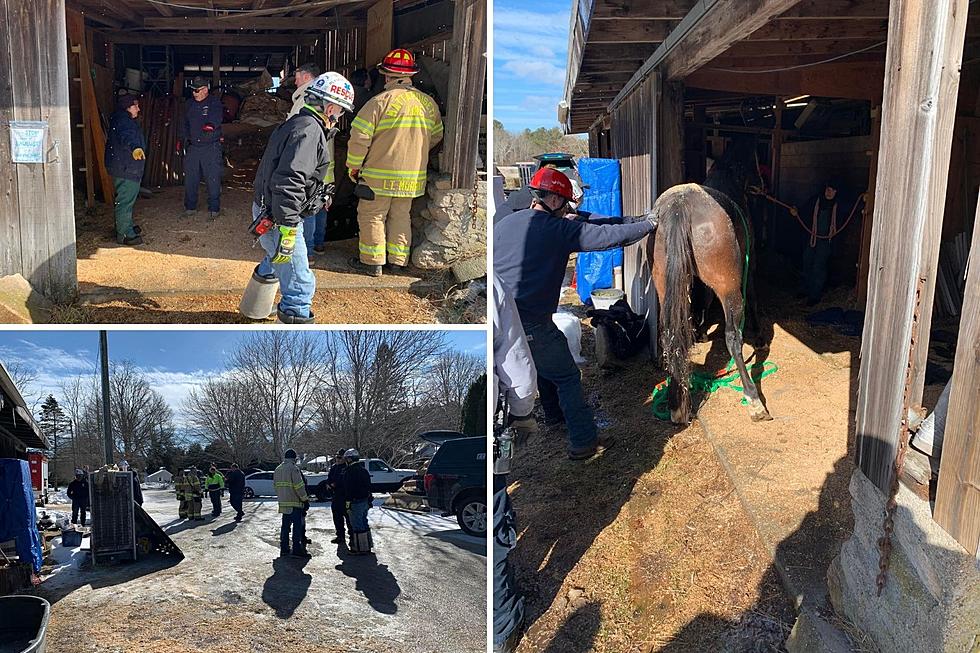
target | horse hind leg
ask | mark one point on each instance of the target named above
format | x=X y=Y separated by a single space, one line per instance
x=733 y=339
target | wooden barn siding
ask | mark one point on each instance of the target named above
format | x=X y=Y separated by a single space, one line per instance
x=633 y=140
x=37 y=222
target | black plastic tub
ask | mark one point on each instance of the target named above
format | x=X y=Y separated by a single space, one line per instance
x=23 y=624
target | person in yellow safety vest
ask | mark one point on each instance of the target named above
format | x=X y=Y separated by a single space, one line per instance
x=388 y=152
x=293 y=504
x=215 y=482
x=183 y=496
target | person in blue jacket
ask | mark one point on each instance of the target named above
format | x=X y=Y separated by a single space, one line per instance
x=530 y=255
x=199 y=138
x=125 y=157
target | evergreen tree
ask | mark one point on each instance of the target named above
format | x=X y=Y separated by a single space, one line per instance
x=475 y=409
x=54 y=424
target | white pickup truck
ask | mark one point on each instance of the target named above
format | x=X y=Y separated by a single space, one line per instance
x=384 y=478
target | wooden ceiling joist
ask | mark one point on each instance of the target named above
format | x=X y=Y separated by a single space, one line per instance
x=201 y=24
x=642 y=9
x=204 y=38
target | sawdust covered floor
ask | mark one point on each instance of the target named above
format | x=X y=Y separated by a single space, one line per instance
x=190 y=270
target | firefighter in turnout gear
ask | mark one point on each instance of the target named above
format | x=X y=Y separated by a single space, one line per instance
x=387 y=156
x=293 y=504
x=294 y=180
x=189 y=492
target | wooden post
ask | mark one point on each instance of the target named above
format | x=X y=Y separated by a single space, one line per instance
x=216 y=67
x=670 y=137
x=379 y=32
x=864 y=255
x=75 y=24
x=467 y=78
x=958 y=495
x=925 y=46
x=776 y=157
x=37 y=222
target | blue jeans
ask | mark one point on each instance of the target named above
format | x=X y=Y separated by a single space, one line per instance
x=358 y=515
x=297 y=521
x=508 y=604
x=560 y=383
x=315 y=228
x=296 y=281
x=206 y=161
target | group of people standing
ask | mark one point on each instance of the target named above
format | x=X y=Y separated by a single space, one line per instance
x=78 y=491
x=350 y=485
x=191 y=485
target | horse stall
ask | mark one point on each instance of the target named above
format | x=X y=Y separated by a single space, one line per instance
x=882 y=97
x=83 y=53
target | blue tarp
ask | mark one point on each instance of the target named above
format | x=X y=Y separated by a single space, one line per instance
x=18 y=519
x=595 y=269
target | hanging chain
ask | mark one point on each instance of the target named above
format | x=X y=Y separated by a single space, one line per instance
x=885 y=541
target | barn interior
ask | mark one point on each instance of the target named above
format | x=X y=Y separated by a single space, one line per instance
x=249 y=51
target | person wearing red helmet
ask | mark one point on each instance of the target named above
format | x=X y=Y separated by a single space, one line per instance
x=530 y=255
x=388 y=153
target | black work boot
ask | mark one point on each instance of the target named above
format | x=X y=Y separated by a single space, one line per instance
x=130 y=241
x=364 y=268
x=602 y=443
x=289 y=318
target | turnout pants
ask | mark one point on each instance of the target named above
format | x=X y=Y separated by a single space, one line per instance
x=184 y=511
x=194 y=509
x=508 y=604
x=205 y=161
x=296 y=281
x=560 y=383
x=385 y=225
x=126 y=193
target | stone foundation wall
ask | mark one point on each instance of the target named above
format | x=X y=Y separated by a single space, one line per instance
x=449 y=224
x=931 y=600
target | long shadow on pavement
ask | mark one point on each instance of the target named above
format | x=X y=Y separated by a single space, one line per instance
x=463 y=541
x=378 y=585
x=288 y=585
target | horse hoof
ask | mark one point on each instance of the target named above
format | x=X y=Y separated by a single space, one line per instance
x=758 y=412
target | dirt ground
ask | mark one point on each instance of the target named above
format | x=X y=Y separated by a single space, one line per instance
x=667 y=541
x=190 y=270
x=232 y=593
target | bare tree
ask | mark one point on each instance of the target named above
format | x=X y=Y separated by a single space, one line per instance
x=452 y=375
x=224 y=412
x=25 y=380
x=282 y=370
x=136 y=409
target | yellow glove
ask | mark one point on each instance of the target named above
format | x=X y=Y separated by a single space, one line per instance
x=286 y=245
x=138 y=154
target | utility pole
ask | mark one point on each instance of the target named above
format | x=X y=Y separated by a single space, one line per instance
x=106 y=425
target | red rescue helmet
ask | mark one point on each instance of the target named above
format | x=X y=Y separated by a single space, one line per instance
x=399 y=62
x=552 y=181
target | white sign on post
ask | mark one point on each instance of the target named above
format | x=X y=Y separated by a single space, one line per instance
x=28 y=140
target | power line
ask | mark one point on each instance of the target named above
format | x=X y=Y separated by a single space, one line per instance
x=802 y=65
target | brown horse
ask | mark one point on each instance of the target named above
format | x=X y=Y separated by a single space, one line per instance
x=704 y=233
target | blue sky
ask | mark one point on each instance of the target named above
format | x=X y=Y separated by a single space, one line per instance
x=530 y=42
x=174 y=361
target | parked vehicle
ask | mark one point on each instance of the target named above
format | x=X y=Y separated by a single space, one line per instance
x=456 y=483
x=385 y=478
x=260 y=484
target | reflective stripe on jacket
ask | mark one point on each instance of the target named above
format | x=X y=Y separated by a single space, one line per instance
x=290 y=488
x=215 y=482
x=391 y=137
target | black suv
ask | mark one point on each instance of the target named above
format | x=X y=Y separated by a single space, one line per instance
x=456 y=483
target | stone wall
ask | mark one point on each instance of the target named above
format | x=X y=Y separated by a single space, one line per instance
x=931 y=600
x=449 y=224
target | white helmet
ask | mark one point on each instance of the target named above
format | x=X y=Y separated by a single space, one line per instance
x=332 y=87
x=352 y=454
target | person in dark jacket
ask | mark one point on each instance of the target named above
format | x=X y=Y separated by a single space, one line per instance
x=125 y=157
x=338 y=502
x=78 y=493
x=294 y=169
x=530 y=255
x=199 y=138
x=357 y=491
x=137 y=488
x=819 y=248
x=236 y=490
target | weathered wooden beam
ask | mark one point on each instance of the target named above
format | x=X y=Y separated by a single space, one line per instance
x=864 y=254
x=644 y=9
x=836 y=10
x=925 y=46
x=670 y=136
x=467 y=78
x=380 y=19
x=779 y=62
x=207 y=24
x=810 y=30
x=958 y=493
x=859 y=81
x=75 y=29
x=240 y=38
x=826 y=47
x=629 y=31
x=612 y=51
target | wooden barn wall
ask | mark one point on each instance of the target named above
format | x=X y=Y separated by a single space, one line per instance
x=633 y=140
x=344 y=49
x=804 y=167
x=37 y=222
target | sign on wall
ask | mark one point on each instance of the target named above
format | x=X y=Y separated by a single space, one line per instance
x=28 y=139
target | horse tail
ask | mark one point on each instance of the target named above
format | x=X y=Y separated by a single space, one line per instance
x=677 y=335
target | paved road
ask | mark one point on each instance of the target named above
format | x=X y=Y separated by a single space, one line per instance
x=423 y=590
